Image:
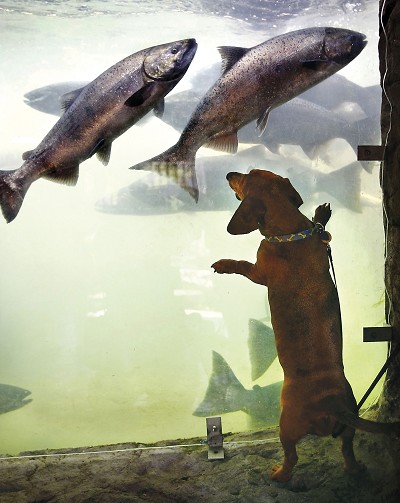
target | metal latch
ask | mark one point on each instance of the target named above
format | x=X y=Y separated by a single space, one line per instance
x=370 y=152
x=215 y=439
x=377 y=334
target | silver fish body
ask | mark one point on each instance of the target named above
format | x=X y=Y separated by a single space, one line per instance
x=254 y=81
x=12 y=398
x=96 y=115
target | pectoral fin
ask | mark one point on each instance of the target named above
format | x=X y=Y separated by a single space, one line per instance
x=230 y=55
x=226 y=142
x=140 y=96
x=262 y=121
x=316 y=64
x=159 y=108
x=67 y=99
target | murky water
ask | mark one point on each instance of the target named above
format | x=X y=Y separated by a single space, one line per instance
x=110 y=319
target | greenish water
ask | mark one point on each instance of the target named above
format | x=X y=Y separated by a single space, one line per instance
x=110 y=320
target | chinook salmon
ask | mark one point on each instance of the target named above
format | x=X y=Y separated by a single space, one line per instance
x=253 y=82
x=96 y=115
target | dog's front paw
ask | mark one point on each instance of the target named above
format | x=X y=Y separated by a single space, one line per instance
x=224 y=266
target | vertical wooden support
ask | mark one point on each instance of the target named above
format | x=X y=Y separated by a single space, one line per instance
x=390 y=182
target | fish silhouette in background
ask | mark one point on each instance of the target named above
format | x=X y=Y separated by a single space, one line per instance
x=254 y=81
x=226 y=394
x=262 y=348
x=48 y=99
x=96 y=115
x=337 y=94
x=12 y=398
x=297 y=122
x=156 y=195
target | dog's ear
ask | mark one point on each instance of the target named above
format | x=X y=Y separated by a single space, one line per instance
x=292 y=194
x=247 y=216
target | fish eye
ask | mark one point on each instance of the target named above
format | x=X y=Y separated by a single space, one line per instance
x=174 y=50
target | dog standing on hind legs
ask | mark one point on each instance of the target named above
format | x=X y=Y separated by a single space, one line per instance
x=292 y=261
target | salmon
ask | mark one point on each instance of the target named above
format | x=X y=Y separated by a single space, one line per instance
x=97 y=114
x=253 y=82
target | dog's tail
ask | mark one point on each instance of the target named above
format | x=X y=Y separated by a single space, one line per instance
x=349 y=418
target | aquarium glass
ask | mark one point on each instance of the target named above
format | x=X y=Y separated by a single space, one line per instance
x=110 y=313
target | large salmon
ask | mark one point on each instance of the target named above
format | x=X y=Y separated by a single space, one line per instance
x=96 y=115
x=253 y=82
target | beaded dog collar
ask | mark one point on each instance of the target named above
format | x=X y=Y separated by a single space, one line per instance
x=296 y=236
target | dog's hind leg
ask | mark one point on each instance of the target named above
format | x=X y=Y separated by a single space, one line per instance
x=290 y=433
x=351 y=464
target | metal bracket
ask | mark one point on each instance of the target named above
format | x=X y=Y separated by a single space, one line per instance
x=215 y=439
x=370 y=152
x=377 y=334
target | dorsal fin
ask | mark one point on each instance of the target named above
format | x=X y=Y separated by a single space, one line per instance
x=67 y=99
x=230 y=55
x=26 y=155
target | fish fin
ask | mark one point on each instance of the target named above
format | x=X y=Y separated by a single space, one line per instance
x=344 y=184
x=67 y=99
x=12 y=194
x=262 y=347
x=316 y=64
x=225 y=142
x=103 y=153
x=310 y=150
x=230 y=55
x=140 y=96
x=262 y=121
x=159 y=108
x=224 y=393
x=26 y=155
x=176 y=164
x=272 y=146
x=65 y=175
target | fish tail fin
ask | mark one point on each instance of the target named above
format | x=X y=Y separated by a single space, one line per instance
x=12 y=195
x=224 y=393
x=344 y=184
x=176 y=163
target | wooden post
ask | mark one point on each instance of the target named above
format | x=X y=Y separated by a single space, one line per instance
x=390 y=182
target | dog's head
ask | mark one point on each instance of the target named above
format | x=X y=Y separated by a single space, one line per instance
x=260 y=192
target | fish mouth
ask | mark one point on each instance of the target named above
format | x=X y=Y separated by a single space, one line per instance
x=187 y=56
x=341 y=46
x=25 y=400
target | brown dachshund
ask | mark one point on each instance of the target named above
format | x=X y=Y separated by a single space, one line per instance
x=292 y=261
